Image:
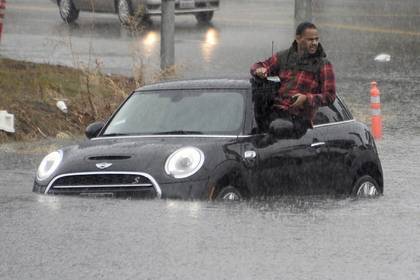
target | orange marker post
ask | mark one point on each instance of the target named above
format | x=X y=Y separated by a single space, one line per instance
x=375 y=107
x=2 y=9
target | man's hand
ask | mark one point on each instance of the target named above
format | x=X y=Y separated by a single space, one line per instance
x=261 y=72
x=300 y=100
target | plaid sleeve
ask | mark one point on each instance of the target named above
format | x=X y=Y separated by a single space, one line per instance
x=271 y=64
x=327 y=94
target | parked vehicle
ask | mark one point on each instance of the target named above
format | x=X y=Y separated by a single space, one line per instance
x=136 y=9
x=199 y=139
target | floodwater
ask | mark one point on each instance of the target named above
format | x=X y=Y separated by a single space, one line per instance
x=280 y=238
x=50 y=237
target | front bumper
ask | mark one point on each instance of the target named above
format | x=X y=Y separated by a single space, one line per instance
x=115 y=184
x=153 y=7
x=186 y=190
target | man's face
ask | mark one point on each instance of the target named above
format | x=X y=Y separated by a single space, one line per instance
x=308 y=41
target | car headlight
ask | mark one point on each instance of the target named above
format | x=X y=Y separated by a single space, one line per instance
x=184 y=162
x=49 y=164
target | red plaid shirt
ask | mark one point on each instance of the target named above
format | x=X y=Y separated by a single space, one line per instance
x=319 y=91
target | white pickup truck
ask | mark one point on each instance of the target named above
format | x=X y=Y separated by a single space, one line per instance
x=128 y=10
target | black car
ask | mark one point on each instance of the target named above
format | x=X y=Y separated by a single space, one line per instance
x=200 y=139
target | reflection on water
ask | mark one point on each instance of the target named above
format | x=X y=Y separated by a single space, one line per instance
x=52 y=202
x=208 y=41
x=306 y=237
x=212 y=37
x=150 y=42
x=209 y=44
x=192 y=208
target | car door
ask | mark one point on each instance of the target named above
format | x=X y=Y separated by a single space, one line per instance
x=284 y=165
x=332 y=128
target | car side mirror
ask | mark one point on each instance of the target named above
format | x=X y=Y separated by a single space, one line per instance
x=93 y=129
x=281 y=128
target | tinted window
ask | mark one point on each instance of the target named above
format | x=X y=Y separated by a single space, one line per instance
x=342 y=109
x=330 y=114
x=203 y=112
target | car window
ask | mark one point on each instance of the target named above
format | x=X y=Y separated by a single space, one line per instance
x=341 y=107
x=330 y=114
x=178 y=111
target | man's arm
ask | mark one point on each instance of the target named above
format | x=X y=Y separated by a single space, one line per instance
x=269 y=67
x=327 y=85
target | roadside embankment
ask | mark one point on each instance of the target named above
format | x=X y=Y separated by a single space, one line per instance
x=31 y=91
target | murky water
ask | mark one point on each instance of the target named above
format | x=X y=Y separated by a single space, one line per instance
x=280 y=238
x=44 y=237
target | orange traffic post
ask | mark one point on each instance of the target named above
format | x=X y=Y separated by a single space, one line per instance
x=375 y=107
x=2 y=8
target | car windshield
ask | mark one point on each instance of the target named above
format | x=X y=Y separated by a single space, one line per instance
x=180 y=112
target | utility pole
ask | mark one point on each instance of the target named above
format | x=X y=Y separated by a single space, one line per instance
x=167 y=34
x=303 y=11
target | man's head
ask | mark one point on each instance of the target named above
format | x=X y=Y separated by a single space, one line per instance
x=307 y=37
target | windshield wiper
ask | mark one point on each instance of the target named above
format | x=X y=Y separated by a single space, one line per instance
x=178 y=132
x=114 y=134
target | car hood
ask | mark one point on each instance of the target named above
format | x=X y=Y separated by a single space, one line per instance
x=142 y=154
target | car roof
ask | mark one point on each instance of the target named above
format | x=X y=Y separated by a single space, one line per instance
x=198 y=84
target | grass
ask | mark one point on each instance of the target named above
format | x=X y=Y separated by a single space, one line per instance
x=30 y=92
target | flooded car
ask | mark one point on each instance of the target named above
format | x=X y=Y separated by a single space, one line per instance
x=199 y=139
x=128 y=10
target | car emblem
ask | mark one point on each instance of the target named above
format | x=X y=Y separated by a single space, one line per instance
x=103 y=165
x=136 y=180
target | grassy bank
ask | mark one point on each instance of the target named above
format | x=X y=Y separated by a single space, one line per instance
x=30 y=91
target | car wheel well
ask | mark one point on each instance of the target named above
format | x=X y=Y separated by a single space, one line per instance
x=204 y=17
x=370 y=168
x=68 y=13
x=138 y=12
x=116 y=6
x=232 y=179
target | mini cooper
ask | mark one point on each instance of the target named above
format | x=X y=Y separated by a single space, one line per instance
x=139 y=9
x=200 y=139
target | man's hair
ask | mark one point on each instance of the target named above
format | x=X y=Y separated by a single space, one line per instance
x=303 y=26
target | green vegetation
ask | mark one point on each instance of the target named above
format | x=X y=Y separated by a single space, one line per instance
x=30 y=91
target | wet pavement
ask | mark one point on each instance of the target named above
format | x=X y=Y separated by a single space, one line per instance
x=353 y=32
x=43 y=237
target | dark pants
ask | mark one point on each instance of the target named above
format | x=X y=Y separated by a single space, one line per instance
x=300 y=125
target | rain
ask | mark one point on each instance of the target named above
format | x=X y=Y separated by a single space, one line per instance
x=288 y=237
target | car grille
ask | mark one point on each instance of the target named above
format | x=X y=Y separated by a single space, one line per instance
x=131 y=184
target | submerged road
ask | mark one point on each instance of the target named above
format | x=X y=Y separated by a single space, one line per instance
x=43 y=237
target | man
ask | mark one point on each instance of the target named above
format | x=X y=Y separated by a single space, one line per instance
x=307 y=77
